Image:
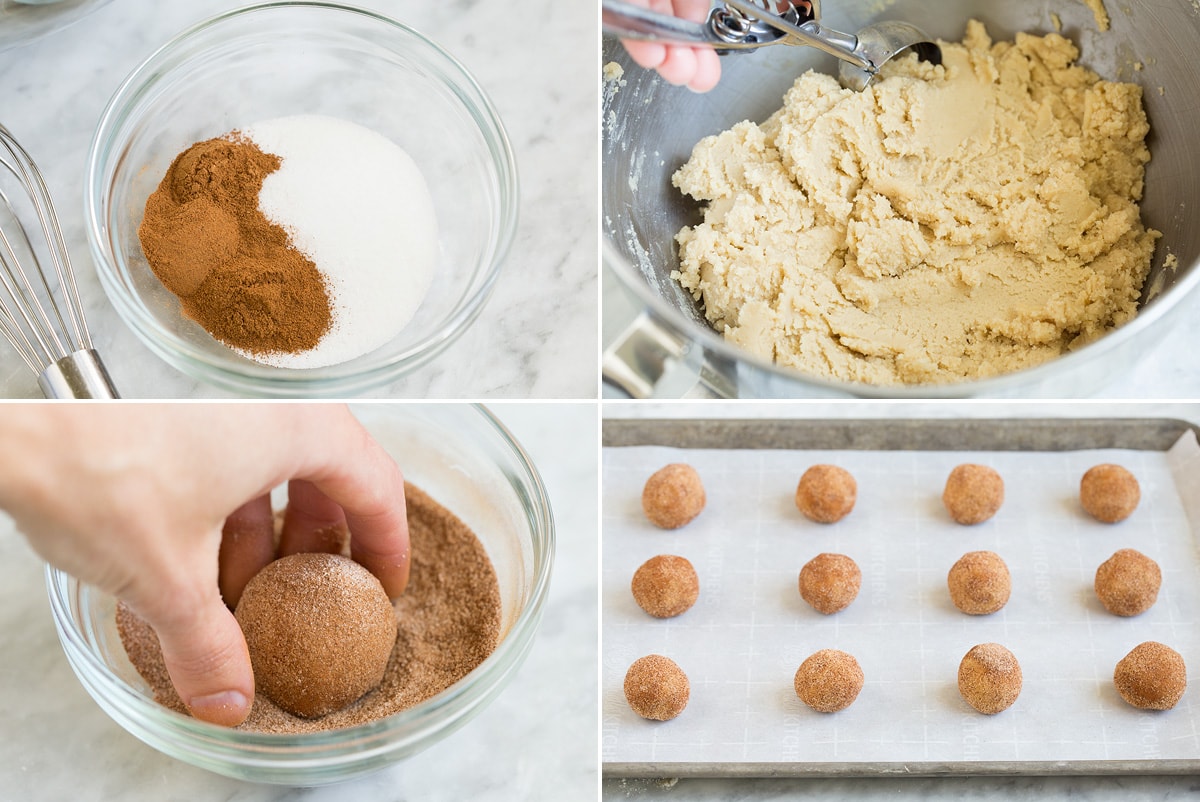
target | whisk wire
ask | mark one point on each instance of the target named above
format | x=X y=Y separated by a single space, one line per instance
x=44 y=322
x=21 y=291
x=24 y=168
x=9 y=325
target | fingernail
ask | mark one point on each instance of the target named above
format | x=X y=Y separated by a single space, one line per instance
x=227 y=708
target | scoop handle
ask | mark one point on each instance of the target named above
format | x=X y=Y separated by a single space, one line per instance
x=629 y=21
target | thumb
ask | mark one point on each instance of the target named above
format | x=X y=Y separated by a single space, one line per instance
x=205 y=654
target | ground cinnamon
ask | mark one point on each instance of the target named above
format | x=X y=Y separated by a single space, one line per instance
x=234 y=271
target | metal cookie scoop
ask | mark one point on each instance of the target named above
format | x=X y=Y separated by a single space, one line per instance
x=749 y=24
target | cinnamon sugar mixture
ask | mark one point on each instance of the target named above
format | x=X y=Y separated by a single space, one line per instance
x=448 y=623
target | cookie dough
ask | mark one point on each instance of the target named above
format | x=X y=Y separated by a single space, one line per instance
x=950 y=222
x=1109 y=493
x=826 y=493
x=830 y=582
x=1151 y=677
x=666 y=586
x=319 y=629
x=973 y=493
x=979 y=583
x=989 y=678
x=656 y=688
x=829 y=680
x=1128 y=582
x=673 y=496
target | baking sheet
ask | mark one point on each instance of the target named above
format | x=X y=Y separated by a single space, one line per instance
x=742 y=642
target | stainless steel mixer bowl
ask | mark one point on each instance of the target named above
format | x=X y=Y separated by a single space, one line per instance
x=649 y=129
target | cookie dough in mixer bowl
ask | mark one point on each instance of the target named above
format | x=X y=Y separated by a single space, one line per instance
x=1070 y=342
x=951 y=222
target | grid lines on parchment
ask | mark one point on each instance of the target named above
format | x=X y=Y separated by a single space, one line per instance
x=1066 y=643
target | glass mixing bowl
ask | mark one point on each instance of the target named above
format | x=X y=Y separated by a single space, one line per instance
x=465 y=459
x=22 y=21
x=281 y=59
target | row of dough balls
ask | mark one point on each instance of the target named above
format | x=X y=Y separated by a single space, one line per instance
x=1151 y=677
x=674 y=495
x=1127 y=583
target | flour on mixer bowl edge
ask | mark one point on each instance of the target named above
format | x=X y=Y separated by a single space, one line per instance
x=950 y=222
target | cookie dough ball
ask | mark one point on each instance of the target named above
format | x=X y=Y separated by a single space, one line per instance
x=656 y=688
x=1109 y=493
x=1152 y=676
x=989 y=678
x=666 y=586
x=320 y=629
x=673 y=496
x=1128 y=582
x=979 y=583
x=826 y=493
x=829 y=681
x=829 y=582
x=973 y=493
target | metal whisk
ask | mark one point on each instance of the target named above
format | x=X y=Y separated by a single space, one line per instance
x=57 y=349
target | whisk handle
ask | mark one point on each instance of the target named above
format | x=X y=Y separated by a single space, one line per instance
x=77 y=375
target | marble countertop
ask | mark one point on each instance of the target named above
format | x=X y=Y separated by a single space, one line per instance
x=980 y=788
x=536 y=336
x=537 y=740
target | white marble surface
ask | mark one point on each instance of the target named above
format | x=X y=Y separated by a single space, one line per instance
x=537 y=740
x=905 y=788
x=537 y=335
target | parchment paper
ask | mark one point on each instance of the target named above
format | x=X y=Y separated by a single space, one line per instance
x=742 y=642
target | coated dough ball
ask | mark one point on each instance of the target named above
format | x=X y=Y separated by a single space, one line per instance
x=979 y=583
x=320 y=629
x=656 y=688
x=1128 y=582
x=665 y=586
x=1152 y=676
x=826 y=493
x=829 y=681
x=673 y=496
x=989 y=678
x=829 y=582
x=973 y=493
x=1109 y=493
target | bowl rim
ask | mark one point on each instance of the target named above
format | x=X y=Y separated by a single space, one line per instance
x=246 y=375
x=247 y=748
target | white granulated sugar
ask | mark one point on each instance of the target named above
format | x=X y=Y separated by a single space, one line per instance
x=356 y=204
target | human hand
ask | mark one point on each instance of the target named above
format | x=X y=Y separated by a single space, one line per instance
x=133 y=499
x=697 y=67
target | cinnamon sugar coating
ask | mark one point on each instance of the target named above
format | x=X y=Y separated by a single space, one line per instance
x=1128 y=582
x=1151 y=677
x=829 y=680
x=979 y=583
x=665 y=586
x=319 y=628
x=673 y=496
x=826 y=493
x=830 y=582
x=973 y=493
x=989 y=678
x=1109 y=493
x=656 y=688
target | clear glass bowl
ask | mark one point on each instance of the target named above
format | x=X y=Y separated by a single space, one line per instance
x=279 y=59
x=465 y=459
x=22 y=21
